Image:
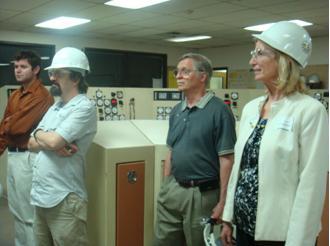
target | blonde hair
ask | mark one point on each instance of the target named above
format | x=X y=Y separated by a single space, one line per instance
x=289 y=78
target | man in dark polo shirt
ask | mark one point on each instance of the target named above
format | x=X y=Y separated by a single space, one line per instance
x=201 y=140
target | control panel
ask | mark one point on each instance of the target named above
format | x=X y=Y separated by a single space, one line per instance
x=164 y=102
x=322 y=96
x=148 y=103
x=236 y=99
x=109 y=104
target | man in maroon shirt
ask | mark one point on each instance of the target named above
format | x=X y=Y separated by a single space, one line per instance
x=25 y=108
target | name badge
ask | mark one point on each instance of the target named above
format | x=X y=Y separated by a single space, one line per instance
x=285 y=124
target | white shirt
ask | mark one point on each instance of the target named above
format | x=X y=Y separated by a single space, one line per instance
x=54 y=177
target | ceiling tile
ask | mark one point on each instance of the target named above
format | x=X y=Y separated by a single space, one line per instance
x=221 y=19
x=21 y=6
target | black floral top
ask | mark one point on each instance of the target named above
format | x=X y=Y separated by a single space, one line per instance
x=246 y=196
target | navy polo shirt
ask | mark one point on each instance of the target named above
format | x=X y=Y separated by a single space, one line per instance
x=197 y=137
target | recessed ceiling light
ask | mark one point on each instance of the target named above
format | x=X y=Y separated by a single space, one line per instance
x=134 y=4
x=263 y=27
x=62 y=22
x=187 y=39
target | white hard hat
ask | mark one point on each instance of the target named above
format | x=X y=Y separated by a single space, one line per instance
x=290 y=39
x=208 y=232
x=71 y=58
x=209 y=235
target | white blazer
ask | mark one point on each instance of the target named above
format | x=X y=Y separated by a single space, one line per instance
x=293 y=165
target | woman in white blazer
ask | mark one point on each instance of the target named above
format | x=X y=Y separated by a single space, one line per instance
x=277 y=186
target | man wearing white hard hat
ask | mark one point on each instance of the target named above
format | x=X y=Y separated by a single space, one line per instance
x=62 y=139
x=277 y=187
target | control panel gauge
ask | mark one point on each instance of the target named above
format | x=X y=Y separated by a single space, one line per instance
x=160 y=117
x=107 y=102
x=107 y=117
x=120 y=94
x=160 y=110
x=99 y=102
x=114 y=102
x=167 y=96
x=114 y=110
x=234 y=95
x=122 y=117
x=317 y=96
x=107 y=110
x=168 y=110
x=167 y=117
x=99 y=94
x=115 y=117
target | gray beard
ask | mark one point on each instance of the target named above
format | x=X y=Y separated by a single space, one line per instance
x=55 y=90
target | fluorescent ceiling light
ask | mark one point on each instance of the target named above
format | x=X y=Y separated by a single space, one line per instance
x=45 y=58
x=134 y=4
x=187 y=39
x=4 y=64
x=263 y=27
x=62 y=22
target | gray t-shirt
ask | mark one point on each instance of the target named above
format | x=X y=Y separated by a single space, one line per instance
x=197 y=137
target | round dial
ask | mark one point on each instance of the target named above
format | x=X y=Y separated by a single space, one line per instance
x=107 y=110
x=234 y=95
x=119 y=94
x=115 y=117
x=114 y=110
x=318 y=96
x=99 y=94
x=107 y=117
x=168 y=110
x=106 y=102
x=159 y=117
x=160 y=110
x=122 y=117
x=99 y=102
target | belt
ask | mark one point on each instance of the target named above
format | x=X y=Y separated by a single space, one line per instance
x=17 y=149
x=202 y=184
x=269 y=243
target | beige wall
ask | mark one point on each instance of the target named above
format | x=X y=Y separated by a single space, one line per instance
x=237 y=57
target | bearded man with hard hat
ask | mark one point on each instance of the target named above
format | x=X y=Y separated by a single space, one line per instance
x=62 y=139
x=277 y=187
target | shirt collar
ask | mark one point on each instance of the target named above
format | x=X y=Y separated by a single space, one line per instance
x=201 y=103
x=275 y=105
x=32 y=87
x=75 y=100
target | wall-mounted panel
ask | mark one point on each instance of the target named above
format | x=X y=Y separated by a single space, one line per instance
x=114 y=68
x=8 y=51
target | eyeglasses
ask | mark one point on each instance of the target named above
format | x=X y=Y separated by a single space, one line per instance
x=256 y=53
x=57 y=73
x=184 y=72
